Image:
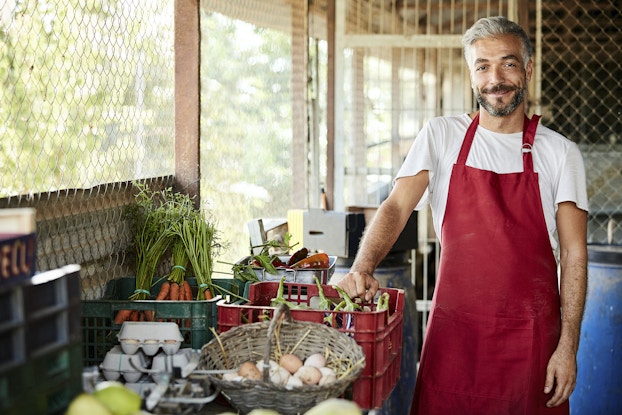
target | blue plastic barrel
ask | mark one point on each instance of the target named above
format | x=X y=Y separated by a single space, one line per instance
x=599 y=377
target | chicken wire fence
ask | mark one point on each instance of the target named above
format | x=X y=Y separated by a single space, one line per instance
x=582 y=98
x=86 y=106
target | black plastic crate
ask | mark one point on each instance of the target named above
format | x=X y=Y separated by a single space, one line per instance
x=44 y=385
x=40 y=316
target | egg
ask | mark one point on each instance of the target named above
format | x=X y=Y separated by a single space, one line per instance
x=309 y=375
x=272 y=365
x=232 y=377
x=293 y=382
x=284 y=374
x=248 y=370
x=290 y=362
x=327 y=371
x=316 y=360
x=325 y=380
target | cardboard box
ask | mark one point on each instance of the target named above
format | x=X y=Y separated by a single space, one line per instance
x=17 y=221
x=336 y=233
x=18 y=256
x=18 y=246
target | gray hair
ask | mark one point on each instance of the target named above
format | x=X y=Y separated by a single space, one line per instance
x=491 y=27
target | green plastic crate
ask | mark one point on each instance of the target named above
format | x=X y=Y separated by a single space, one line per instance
x=99 y=332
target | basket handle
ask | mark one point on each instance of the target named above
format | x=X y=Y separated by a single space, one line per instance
x=282 y=312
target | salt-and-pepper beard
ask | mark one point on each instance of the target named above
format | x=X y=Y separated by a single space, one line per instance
x=518 y=98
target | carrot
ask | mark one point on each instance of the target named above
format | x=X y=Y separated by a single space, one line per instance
x=187 y=290
x=122 y=315
x=134 y=315
x=149 y=315
x=208 y=294
x=164 y=291
x=182 y=293
x=174 y=291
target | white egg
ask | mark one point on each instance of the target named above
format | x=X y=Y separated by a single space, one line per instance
x=316 y=360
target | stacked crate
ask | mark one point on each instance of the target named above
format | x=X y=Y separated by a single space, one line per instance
x=99 y=330
x=40 y=343
x=378 y=332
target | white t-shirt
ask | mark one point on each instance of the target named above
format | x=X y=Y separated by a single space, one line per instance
x=557 y=160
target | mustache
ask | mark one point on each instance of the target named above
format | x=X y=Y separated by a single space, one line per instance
x=498 y=88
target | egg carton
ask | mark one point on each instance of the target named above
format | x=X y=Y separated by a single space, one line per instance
x=181 y=364
x=150 y=337
x=118 y=364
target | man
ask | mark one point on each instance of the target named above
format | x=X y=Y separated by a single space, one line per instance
x=506 y=195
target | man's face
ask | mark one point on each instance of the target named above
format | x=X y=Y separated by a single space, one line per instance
x=498 y=75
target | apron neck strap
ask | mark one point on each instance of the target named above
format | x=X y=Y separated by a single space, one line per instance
x=529 y=132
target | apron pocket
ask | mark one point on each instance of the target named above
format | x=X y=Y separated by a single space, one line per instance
x=479 y=356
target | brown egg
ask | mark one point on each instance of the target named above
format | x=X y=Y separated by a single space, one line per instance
x=290 y=362
x=248 y=370
x=309 y=375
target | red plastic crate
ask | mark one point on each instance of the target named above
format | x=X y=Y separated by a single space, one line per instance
x=379 y=333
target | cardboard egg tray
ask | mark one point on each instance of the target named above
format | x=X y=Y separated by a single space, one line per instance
x=118 y=364
x=130 y=368
x=150 y=337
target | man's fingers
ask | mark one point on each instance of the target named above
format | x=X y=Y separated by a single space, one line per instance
x=549 y=382
x=372 y=287
x=360 y=285
x=561 y=383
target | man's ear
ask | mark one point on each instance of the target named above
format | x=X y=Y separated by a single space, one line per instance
x=529 y=70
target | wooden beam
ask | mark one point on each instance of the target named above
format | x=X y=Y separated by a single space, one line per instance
x=187 y=98
x=330 y=107
x=402 y=41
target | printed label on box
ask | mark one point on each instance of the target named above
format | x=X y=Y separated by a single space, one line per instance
x=17 y=258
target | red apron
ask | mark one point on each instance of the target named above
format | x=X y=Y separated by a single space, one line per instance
x=495 y=318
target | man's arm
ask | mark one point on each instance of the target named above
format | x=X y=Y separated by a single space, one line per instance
x=561 y=372
x=381 y=234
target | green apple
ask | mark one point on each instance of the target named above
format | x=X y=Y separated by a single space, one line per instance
x=117 y=398
x=85 y=403
x=335 y=406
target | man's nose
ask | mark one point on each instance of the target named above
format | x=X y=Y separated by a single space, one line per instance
x=496 y=75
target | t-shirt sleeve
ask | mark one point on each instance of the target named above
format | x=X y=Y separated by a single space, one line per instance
x=421 y=157
x=572 y=182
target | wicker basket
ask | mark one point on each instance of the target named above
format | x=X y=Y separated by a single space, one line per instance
x=269 y=340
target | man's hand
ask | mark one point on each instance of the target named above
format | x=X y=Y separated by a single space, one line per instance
x=359 y=284
x=561 y=376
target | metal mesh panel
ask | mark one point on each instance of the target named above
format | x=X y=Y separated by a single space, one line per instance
x=582 y=99
x=86 y=101
x=87 y=95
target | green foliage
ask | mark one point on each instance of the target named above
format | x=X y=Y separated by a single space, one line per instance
x=245 y=124
x=83 y=82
